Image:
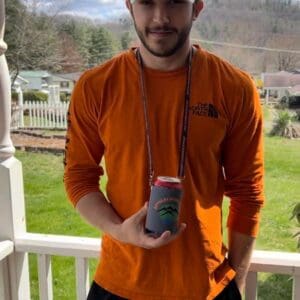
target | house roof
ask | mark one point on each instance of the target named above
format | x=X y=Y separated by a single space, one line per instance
x=59 y=78
x=281 y=79
x=70 y=76
x=34 y=74
x=295 y=90
x=21 y=80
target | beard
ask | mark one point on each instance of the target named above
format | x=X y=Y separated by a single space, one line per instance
x=164 y=51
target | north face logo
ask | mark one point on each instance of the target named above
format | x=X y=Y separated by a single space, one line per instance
x=205 y=110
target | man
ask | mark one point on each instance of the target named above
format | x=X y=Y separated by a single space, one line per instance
x=108 y=116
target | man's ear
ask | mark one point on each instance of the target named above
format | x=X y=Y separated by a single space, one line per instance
x=128 y=5
x=197 y=7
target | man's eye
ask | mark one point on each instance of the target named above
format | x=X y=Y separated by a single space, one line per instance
x=175 y=2
x=146 y=2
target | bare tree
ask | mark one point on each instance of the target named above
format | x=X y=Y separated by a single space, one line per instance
x=33 y=41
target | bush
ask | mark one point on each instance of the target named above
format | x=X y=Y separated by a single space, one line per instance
x=14 y=96
x=296 y=215
x=283 y=103
x=297 y=115
x=284 y=125
x=64 y=97
x=281 y=122
x=35 y=96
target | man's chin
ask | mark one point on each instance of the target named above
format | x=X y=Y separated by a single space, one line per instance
x=162 y=52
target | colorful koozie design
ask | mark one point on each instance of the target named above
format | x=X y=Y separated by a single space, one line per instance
x=163 y=210
x=168 y=210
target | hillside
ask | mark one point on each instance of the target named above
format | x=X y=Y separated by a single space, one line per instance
x=270 y=24
x=63 y=43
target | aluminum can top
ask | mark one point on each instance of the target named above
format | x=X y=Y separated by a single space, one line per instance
x=169 y=182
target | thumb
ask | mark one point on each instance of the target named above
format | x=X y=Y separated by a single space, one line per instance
x=140 y=214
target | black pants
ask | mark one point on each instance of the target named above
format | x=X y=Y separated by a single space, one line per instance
x=231 y=292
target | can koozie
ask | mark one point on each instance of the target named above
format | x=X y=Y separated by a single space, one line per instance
x=164 y=206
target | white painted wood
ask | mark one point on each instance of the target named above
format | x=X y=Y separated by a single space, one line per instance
x=275 y=262
x=12 y=224
x=21 y=103
x=262 y=261
x=45 y=277
x=39 y=114
x=66 y=115
x=52 y=118
x=267 y=96
x=296 y=288
x=6 y=248
x=30 y=114
x=251 y=286
x=34 y=114
x=82 y=278
x=6 y=147
x=4 y=281
x=45 y=115
x=60 y=109
x=58 y=245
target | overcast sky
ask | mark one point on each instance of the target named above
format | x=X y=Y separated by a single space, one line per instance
x=104 y=10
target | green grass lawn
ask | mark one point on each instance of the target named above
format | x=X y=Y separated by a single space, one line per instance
x=48 y=211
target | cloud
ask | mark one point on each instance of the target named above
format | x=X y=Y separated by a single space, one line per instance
x=104 y=10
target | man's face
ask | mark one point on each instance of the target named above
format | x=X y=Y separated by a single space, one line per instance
x=163 y=26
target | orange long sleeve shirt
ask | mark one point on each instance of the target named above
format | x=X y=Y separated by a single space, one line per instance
x=224 y=157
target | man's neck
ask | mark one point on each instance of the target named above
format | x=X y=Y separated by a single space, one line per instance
x=169 y=63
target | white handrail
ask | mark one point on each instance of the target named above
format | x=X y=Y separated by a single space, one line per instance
x=59 y=245
x=6 y=248
x=276 y=262
x=84 y=248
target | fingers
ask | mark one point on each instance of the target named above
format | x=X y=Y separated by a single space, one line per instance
x=165 y=238
x=133 y=232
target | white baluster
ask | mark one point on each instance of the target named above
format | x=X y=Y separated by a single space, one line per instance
x=82 y=278
x=45 y=277
x=296 y=287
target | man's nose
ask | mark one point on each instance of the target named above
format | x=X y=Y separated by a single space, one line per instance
x=161 y=15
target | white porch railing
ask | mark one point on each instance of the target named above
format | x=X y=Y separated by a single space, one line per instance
x=6 y=248
x=82 y=249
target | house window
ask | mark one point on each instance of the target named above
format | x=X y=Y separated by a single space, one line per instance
x=64 y=84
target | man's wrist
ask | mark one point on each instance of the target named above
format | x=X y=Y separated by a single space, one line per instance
x=115 y=231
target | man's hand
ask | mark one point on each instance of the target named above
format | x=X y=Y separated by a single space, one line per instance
x=132 y=231
x=97 y=211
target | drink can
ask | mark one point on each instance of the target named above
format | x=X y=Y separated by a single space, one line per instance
x=164 y=206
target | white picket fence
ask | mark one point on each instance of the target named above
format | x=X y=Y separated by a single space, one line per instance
x=40 y=115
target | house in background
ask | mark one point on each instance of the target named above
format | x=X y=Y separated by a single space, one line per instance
x=37 y=80
x=20 y=83
x=65 y=82
x=42 y=80
x=280 y=84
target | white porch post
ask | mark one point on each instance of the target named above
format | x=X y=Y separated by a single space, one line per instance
x=12 y=210
x=6 y=147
